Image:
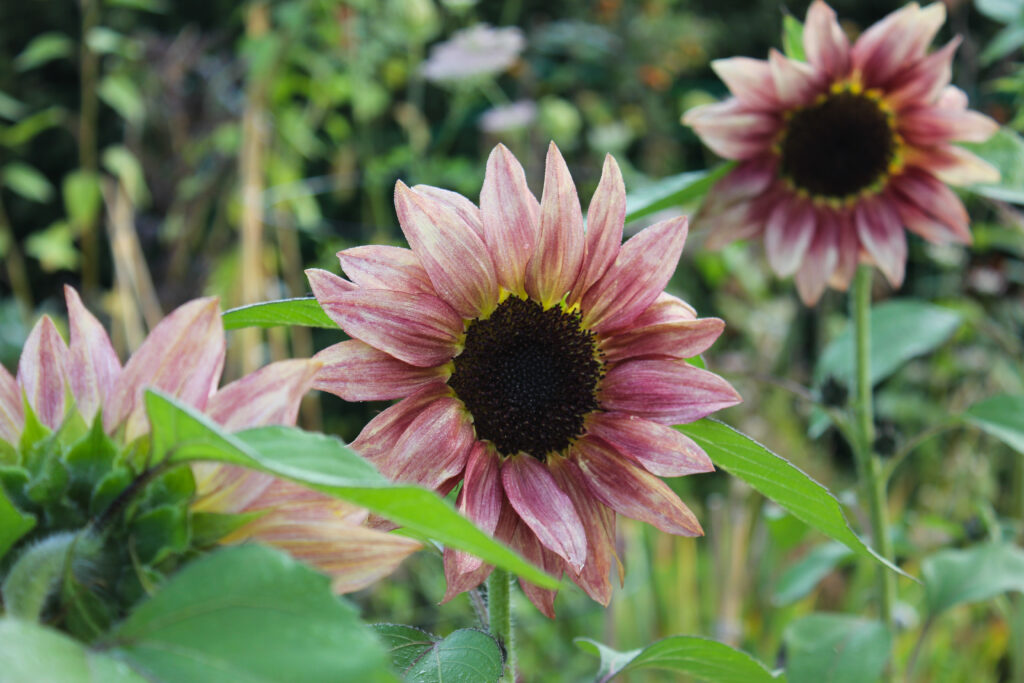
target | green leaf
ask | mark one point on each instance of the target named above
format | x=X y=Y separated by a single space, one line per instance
x=123 y=164
x=802 y=577
x=27 y=182
x=121 y=94
x=53 y=247
x=1003 y=11
x=82 y=196
x=406 y=644
x=836 y=648
x=43 y=49
x=300 y=311
x=10 y=108
x=793 y=38
x=465 y=655
x=901 y=329
x=210 y=527
x=326 y=464
x=30 y=653
x=248 y=613
x=1003 y=43
x=27 y=128
x=13 y=523
x=779 y=480
x=672 y=191
x=154 y=6
x=1002 y=417
x=704 y=659
x=1005 y=151
x=980 y=573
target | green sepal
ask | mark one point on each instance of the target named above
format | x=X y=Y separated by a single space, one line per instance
x=109 y=488
x=159 y=533
x=33 y=431
x=210 y=527
x=49 y=479
x=87 y=616
x=89 y=459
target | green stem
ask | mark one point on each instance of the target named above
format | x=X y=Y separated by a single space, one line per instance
x=868 y=465
x=499 y=612
x=87 y=142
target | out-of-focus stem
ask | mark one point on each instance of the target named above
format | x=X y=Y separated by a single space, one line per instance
x=14 y=262
x=254 y=142
x=499 y=615
x=868 y=465
x=87 y=151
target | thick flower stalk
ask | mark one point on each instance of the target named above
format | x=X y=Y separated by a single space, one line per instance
x=183 y=357
x=538 y=364
x=839 y=154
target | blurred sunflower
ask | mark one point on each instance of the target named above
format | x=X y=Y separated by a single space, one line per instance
x=538 y=364
x=183 y=356
x=837 y=154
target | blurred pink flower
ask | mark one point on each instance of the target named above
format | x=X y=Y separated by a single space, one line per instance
x=183 y=356
x=540 y=365
x=474 y=52
x=509 y=117
x=839 y=153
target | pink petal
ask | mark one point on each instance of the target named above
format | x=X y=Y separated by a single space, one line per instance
x=742 y=220
x=481 y=496
x=788 y=234
x=952 y=97
x=881 y=234
x=459 y=581
x=936 y=126
x=749 y=80
x=558 y=253
x=545 y=508
x=524 y=540
x=795 y=82
x=952 y=164
x=732 y=130
x=420 y=329
x=632 y=491
x=435 y=446
x=12 y=410
x=374 y=267
x=640 y=272
x=848 y=252
x=747 y=180
x=270 y=395
x=922 y=83
x=465 y=209
x=42 y=372
x=931 y=209
x=356 y=371
x=665 y=309
x=93 y=366
x=182 y=356
x=666 y=391
x=897 y=41
x=657 y=448
x=599 y=522
x=226 y=488
x=605 y=218
x=451 y=252
x=511 y=218
x=674 y=339
x=378 y=438
x=825 y=44
x=322 y=531
x=820 y=260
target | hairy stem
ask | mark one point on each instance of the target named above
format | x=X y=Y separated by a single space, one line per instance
x=499 y=613
x=868 y=465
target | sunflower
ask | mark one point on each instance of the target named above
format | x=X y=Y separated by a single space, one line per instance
x=539 y=365
x=838 y=154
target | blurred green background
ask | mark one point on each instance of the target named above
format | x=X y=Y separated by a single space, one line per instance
x=152 y=151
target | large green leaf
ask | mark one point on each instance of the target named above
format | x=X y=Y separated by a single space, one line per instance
x=1005 y=151
x=30 y=653
x=972 y=575
x=464 y=655
x=301 y=311
x=180 y=433
x=43 y=49
x=406 y=644
x=800 y=579
x=779 y=480
x=704 y=659
x=672 y=191
x=248 y=613
x=1002 y=417
x=836 y=648
x=13 y=523
x=901 y=329
x=26 y=181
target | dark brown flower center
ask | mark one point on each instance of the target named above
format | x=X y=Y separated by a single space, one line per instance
x=838 y=147
x=528 y=376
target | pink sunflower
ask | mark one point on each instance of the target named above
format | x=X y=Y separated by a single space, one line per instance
x=838 y=154
x=538 y=364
